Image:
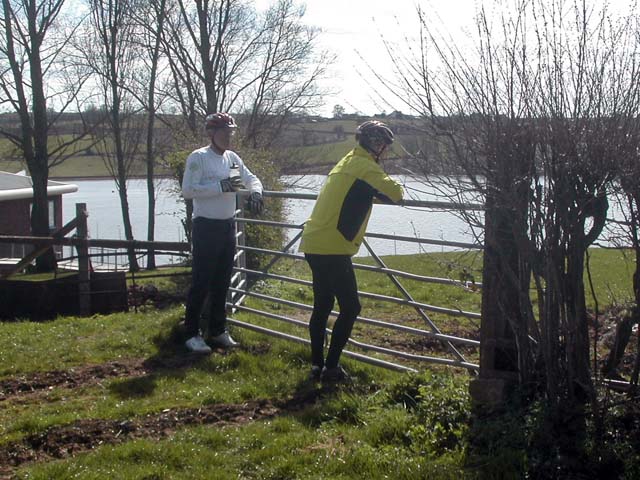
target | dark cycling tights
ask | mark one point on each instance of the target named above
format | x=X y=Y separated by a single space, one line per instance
x=333 y=278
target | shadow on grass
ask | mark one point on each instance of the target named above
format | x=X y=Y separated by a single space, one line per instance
x=314 y=403
x=133 y=387
x=497 y=444
x=171 y=361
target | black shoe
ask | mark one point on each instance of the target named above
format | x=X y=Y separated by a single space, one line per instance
x=334 y=375
x=316 y=372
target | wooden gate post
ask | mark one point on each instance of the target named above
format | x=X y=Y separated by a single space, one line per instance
x=500 y=365
x=84 y=273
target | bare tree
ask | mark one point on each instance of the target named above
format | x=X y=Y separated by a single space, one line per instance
x=286 y=82
x=151 y=22
x=32 y=83
x=225 y=56
x=535 y=118
x=211 y=46
x=113 y=58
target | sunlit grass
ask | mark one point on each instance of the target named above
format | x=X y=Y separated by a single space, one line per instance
x=349 y=434
x=384 y=425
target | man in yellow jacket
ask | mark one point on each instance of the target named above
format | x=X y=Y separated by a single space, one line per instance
x=333 y=234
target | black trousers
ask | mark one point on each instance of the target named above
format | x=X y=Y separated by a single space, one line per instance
x=333 y=278
x=214 y=245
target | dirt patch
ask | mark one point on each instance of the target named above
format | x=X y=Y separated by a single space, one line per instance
x=92 y=374
x=414 y=343
x=62 y=442
x=65 y=441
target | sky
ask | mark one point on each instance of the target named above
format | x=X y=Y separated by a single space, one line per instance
x=353 y=31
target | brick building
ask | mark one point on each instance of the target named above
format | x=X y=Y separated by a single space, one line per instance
x=16 y=197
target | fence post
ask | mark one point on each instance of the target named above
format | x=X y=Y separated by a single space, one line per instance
x=84 y=274
x=500 y=366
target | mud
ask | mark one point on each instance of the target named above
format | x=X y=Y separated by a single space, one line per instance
x=87 y=375
x=63 y=442
x=66 y=441
x=34 y=383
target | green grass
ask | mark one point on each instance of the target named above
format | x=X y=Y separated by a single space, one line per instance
x=283 y=448
x=384 y=425
x=612 y=273
x=326 y=153
x=70 y=341
x=351 y=433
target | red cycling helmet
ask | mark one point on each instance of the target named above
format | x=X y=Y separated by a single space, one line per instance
x=219 y=120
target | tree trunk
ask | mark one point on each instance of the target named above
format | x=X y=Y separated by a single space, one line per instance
x=151 y=195
x=122 y=178
x=40 y=173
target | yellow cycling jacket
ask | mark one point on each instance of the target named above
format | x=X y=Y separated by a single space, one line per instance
x=341 y=213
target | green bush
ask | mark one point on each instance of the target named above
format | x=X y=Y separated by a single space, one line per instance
x=444 y=412
x=261 y=163
x=440 y=404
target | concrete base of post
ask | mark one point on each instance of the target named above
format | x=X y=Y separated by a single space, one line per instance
x=489 y=392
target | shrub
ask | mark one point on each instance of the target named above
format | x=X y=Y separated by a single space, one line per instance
x=260 y=162
x=441 y=405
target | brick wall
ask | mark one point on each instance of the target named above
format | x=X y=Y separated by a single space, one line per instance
x=15 y=220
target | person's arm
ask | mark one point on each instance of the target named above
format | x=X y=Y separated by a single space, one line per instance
x=250 y=181
x=255 y=203
x=192 y=186
x=386 y=189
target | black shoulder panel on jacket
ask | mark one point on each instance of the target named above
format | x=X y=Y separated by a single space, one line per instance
x=355 y=207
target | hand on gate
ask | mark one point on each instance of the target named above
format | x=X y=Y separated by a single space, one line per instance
x=255 y=204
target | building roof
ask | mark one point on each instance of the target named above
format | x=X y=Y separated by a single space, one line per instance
x=14 y=187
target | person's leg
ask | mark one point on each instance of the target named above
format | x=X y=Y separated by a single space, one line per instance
x=202 y=263
x=346 y=291
x=221 y=279
x=323 y=301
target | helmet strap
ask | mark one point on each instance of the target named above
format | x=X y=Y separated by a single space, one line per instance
x=380 y=151
x=375 y=153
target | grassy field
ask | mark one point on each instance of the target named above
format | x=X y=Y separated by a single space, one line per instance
x=80 y=166
x=86 y=161
x=118 y=397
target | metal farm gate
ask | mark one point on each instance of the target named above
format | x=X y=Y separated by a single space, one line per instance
x=240 y=292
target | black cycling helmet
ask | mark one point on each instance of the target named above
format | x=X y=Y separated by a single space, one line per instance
x=373 y=134
x=219 y=120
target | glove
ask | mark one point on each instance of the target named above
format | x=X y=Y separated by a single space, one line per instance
x=255 y=204
x=232 y=184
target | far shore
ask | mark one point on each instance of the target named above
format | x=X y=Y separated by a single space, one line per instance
x=102 y=177
x=391 y=166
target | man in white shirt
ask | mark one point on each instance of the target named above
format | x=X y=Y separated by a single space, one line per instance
x=213 y=174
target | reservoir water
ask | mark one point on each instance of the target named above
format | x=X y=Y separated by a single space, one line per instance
x=105 y=217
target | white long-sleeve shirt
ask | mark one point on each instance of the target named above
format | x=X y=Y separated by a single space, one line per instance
x=201 y=182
